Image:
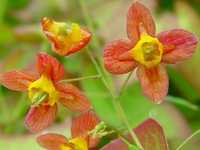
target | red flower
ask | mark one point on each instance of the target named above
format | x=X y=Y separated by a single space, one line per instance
x=148 y=52
x=65 y=40
x=45 y=91
x=80 y=138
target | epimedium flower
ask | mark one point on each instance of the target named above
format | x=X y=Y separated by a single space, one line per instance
x=64 y=39
x=45 y=91
x=80 y=131
x=148 y=52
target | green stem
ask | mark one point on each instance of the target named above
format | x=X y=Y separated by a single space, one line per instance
x=125 y=83
x=188 y=139
x=99 y=72
x=81 y=78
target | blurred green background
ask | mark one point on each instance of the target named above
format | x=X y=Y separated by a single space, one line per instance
x=21 y=38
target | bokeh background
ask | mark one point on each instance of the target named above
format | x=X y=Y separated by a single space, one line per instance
x=21 y=37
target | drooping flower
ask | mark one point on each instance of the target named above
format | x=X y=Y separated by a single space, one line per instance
x=44 y=91
x=65 y=40
x=148 y=52
x=81 y=139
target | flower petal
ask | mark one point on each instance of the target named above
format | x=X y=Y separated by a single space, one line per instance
x=40 y=117
x=154 y=82
x=64 y=40
x=111 y=60
x=72 y=97
x=52 y=141
x=137 y=14
x=82 y=124
x=18 y=80
x=47 y=64
x=178 y=44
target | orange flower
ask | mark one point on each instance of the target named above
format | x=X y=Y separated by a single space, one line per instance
x=81 y=140
x=45 y=91
x=148 y=52
x=65 y=40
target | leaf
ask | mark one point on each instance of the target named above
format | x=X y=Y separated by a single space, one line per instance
x=150 y=133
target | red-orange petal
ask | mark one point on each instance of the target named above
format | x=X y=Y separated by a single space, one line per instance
x=154 y=82
x=52 y=141
x=18 y=80
x=56 y=71
x=137 y=14
x=57 y=45
x=178 y=44
x=39 y=118
x=72 y=97
x=111 y=60
x=82 y=124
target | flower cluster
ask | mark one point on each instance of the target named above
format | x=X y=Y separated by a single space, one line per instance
x=144 y=50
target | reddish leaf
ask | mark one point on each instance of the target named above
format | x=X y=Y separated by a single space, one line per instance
x=40 y=117
x=183 y=45
x=154 y=82
x=56 y=71
x=111 y=57
x=72 y=97
x=150 y=135
x=137 y=14
x=82 y=124
x=52 y=141
x=18 y=80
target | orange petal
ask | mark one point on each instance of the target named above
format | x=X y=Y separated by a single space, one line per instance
x=178 y=44
x=52 y=141
x=72 y=97
x=137 y=14
x=40 y=117
x=154 y=82
x=18 y=80
x=111 y=60
x=56 y=71
x=63 y=46
x=82 y=124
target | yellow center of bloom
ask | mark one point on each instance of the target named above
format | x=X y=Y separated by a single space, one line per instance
x=148 y=51
x=42 y=91
x=78 y=144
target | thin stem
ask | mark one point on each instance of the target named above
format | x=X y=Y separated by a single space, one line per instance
x=125 y=83
x=81 y=78
x=99 y=72
x=188 y=139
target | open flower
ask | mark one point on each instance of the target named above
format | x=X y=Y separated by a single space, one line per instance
x=148 y=52
x=45 y=91
x=65 y=40
x=81 y=140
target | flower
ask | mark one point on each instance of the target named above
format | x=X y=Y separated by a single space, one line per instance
x=45 y=91
x=81 y=140
x=65 y=40
x=148 y=52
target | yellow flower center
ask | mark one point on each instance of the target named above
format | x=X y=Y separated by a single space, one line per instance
x=78 y=144
x=148 y=51
x=42 y=91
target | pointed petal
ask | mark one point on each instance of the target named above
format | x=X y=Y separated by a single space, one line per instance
x=72 y=97
x=154 y=82
x=137 y=14
x=56 y=71
x=178 y=44
x=52 y=141
x=82 y=124
x=111 y=57
x=40 y=117
x=18 y=80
